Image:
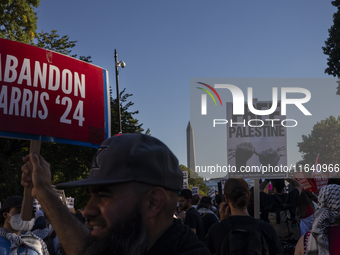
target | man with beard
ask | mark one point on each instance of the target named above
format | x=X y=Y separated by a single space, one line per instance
x=192 y=217
x=134 y=184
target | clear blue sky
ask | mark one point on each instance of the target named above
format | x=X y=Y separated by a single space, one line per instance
x=165 y=43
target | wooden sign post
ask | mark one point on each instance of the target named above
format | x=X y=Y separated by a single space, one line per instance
x=27 y=203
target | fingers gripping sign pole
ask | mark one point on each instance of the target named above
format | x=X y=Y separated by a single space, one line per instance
x=27 y=203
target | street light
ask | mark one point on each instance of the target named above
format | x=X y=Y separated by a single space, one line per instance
x=122 y=64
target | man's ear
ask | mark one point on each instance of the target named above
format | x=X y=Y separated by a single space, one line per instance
x=155 y=201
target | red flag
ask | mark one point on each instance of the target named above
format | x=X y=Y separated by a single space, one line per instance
x=305 y=182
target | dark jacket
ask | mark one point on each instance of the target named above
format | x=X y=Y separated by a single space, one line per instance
x=178 y=240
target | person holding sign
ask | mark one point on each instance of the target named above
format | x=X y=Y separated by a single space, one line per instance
x=134 y=184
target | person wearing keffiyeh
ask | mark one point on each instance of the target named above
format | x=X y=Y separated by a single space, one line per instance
x=26 y=242
x=323 y=239
x=14 y=239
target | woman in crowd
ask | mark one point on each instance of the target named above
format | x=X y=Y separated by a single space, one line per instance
x=325 y=233
x=305 y=211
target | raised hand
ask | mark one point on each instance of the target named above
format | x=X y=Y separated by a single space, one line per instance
x=242 y=153
x=39 y=178
x=269 y=157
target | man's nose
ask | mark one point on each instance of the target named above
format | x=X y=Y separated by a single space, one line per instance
x=91 y=209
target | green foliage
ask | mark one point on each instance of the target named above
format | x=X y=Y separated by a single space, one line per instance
x=11 y=154
x=324 y=140
x=129 y=123
x=194 y=180
x=18 y=20
x=69 y=163
x=53 y=41
x=332 y=45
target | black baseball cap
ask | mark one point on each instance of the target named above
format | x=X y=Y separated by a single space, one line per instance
x=14 y=201
x=133 y=157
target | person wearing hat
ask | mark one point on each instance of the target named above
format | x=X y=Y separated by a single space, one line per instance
x=15 y=234
x=134 y=185
x=234 y=216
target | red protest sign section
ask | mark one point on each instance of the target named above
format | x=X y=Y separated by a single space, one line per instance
x=49 y=96
x=305 y=182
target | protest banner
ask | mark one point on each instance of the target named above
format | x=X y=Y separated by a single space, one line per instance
x=48 y=96
x=305 y=182
x=70 y=202
x=212 y=193
x=223 y=180
x=194 y=190
x=185 y=180
x=61 y=194
x=257 y=145
x=36 y=205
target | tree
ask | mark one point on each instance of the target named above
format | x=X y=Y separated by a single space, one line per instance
x=68 y=162
x=194 y=180
x=11 y=154
x=129 y=123
x=324 y=140
x=53 y=41
x=332 y=46
x=18 y=19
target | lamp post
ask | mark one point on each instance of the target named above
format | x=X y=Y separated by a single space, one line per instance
x=118 y=64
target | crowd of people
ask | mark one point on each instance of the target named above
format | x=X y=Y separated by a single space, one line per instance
x=137 y=206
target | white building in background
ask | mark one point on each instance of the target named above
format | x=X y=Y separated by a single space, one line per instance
x=191 y=158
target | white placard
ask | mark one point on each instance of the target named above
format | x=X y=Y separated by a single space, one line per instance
x=212 y=193
x=185 y=180
x=194 y=190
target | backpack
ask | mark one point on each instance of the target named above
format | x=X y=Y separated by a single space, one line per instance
x=244 y=239
x=282 y=218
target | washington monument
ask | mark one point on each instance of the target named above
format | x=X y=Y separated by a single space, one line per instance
x=191 y=159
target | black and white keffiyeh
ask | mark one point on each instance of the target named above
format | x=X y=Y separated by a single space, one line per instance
x=27 y=239
x=202 y=211
x=327 y=214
